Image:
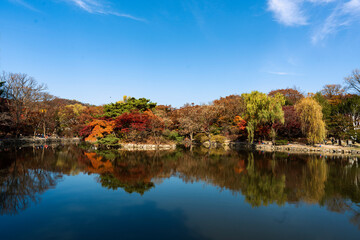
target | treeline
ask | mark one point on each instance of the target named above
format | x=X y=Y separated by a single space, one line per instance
x=280 y=116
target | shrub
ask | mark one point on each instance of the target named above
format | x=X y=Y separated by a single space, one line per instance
x=218 y=139
x=173 y=136
x=281 y=142
x=201 y=138
x=180 y=139
x=109 y=141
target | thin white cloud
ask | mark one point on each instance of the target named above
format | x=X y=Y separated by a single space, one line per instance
x=24 y=4
x=343 y=15
x=126 y=16
x=295 y=13
x=97 y=7
x=281 y=73
x=287 y=12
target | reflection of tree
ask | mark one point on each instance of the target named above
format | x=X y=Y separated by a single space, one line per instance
x=30 y=172
x=21 y=187
x=262 y=178
x=131 y=171
x=313 y=181
x=262 y=188
x=344 y=180
x=342 y=190
x=111 y=182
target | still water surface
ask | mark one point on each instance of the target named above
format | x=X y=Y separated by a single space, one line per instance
x=67 y=192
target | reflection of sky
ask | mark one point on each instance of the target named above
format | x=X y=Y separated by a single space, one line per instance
x=80 y=208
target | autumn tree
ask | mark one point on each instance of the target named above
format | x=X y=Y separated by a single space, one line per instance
x=69 y=119
x=353 y=81
x=240 y=125
x=261 y=109
x=43 y=117
x=292 y=95
x=156 y=126
x=291 y=128
x=99 y=129
x=311 y=119
x=188 y=120
x=74 y=117
x=132 y=126
x=165 y=113
x=22 y=94
x=227 y=109
x=333 y=93
x=207 y=116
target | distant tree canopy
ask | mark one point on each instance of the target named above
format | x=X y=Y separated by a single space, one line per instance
x=292 y=96
x=114 y=110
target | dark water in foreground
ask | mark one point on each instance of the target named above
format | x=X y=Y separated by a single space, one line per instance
x=70 y=193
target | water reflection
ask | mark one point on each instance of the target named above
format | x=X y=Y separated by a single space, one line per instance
x=263 y=179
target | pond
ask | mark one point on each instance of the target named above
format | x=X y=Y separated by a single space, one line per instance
x=69 y=192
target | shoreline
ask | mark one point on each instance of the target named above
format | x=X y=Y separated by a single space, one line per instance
x=291 y=148
x=31 y=140
x=295 y=148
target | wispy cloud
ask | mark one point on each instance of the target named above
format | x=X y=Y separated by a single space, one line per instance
x=97 y=7
x=287 y=12
x=343 y=15
x=24 y=4
x=281 y=73
x=296 y=13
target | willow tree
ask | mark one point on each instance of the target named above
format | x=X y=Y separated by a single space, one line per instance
x=311 y=119
x=262 y=109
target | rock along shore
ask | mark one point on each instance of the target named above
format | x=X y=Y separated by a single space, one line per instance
x=31 y=140
x=146 y=147
x=298 y=148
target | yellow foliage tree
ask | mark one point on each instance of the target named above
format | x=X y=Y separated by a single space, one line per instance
x=311 y=119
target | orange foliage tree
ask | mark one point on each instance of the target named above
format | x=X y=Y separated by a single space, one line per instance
x=240 y=122
x=100 y=128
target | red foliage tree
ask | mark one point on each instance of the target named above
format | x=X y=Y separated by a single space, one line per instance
x=132 y=121
x=133 y=126
x=291 y=128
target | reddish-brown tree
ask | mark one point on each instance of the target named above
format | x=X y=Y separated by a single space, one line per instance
x=291 y=128
x=292 y=96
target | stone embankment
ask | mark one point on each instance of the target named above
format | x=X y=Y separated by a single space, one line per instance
x=31 y=140
x=300 y=148
x=147 y=147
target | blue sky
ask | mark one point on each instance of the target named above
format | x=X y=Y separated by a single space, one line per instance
x=178 y=51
